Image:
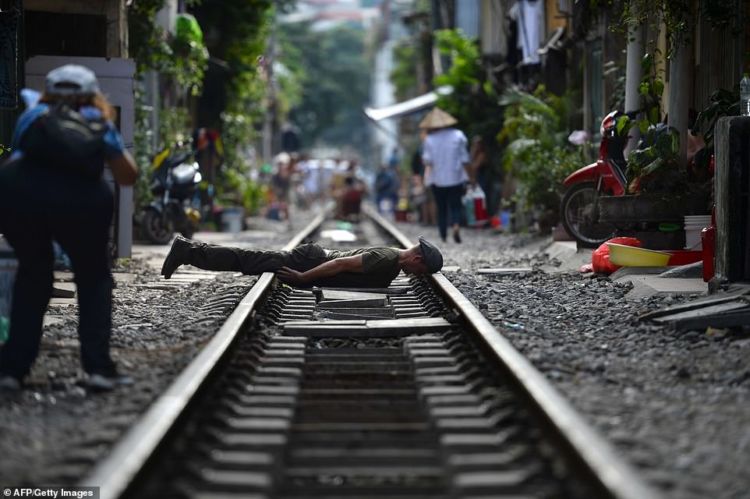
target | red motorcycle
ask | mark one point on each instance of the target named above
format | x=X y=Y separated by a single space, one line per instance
x=580 y=204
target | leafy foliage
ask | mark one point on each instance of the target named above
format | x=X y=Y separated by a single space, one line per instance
x=191 y=55
x=182 y=58
x=536 y=116
x=473 y=101
x=722 y=103
x=336 y=83
x=536 y=151
x=150 y=48
x=722 y=13
x=650 y=90
x=403 y=76
x=174 y=124
x=236 y=34
x=240 y=189
x=142 y=149
x=676 y=15
x=148 y=41
x=654 y=166
x=235 y=182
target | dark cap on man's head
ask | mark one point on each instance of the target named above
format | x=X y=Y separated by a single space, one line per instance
x=433 y=259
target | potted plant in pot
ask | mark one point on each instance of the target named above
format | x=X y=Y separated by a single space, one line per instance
x=659 y=190
x=663 y=189
x=660 y=193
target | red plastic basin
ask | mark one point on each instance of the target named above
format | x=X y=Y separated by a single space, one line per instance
x=684 y=257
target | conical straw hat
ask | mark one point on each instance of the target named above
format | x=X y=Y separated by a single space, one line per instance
x=437 y=118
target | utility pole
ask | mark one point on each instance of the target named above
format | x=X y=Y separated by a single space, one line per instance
x=681 y=84
x=270 y=114
x=633 y=77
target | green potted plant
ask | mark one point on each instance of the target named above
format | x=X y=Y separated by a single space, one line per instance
x=659 y=192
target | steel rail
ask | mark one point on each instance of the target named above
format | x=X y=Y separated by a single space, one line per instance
x=129 y=456
x=612 y=475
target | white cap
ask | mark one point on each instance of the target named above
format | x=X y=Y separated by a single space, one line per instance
x=71 y=79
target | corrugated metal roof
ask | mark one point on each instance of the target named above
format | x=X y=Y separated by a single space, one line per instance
x=407 y=107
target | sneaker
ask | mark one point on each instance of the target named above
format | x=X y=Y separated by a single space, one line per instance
x=177 y=256
x=457 y=237
x=9 y=384
x=101 y=383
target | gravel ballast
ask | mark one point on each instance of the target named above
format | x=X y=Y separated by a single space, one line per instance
x=674 y=404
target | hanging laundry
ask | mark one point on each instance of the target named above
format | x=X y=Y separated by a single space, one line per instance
x=529 y=16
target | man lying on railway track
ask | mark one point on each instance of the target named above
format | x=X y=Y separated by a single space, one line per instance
x=310 y=264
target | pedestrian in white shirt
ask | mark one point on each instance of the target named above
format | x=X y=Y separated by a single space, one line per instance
x=446 y=159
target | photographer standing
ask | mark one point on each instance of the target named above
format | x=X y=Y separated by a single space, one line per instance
x=52 y=189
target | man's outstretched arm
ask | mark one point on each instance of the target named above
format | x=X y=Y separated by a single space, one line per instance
x=327 y=269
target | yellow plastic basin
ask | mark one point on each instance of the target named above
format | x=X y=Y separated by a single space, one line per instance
x=630 y=256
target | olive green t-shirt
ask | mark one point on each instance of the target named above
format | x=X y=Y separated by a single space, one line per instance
x=379 y=267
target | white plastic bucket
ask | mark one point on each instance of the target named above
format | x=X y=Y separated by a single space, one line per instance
x=694 y=224
x=231 y=219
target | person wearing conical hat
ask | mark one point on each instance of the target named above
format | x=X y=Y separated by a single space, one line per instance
x=437 y=119
x=446 y=159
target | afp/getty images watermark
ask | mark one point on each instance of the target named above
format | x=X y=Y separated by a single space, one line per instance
x=52 y=492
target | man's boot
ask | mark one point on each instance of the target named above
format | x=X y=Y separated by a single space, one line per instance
x=178 y=255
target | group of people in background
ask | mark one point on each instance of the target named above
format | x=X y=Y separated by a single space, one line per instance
x=306 y=181
x=443 y=169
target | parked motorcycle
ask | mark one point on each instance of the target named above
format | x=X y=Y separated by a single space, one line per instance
x=580 y=204
x=174 y=182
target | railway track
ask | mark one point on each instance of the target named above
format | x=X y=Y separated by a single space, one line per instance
x=402 y=392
